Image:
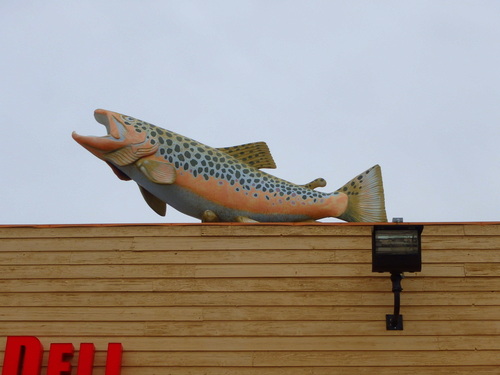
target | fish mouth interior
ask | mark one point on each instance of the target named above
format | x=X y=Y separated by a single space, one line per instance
x=103 y=117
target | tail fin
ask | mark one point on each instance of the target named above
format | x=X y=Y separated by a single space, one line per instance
x=366 y=197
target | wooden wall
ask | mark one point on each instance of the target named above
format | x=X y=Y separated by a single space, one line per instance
x=254 y=299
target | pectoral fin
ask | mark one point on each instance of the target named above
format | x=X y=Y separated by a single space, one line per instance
x=256 y=154
x=155 y=203
x=157 y=171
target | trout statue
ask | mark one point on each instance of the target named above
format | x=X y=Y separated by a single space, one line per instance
x=223 y=184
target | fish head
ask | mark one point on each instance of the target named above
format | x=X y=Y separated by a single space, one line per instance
x=127 y=141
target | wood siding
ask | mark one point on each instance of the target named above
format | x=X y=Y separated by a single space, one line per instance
x=253 y=299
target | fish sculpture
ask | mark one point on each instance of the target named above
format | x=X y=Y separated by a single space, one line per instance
x=223 y=184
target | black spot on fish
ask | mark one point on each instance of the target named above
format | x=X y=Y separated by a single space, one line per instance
x=197 y=156
x=170 y=142
x=186 y=166
x=162 y=151
x=187 y=154
x=153 y=142
x=177 y=148
x=153 y=133
x=193 y=162
x=206 y=177
x=179 y=138
x=186 y=145
x=181 y=157
x=162 y=141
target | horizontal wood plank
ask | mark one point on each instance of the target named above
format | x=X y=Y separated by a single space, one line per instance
x=250 y=328
x=415 y=283
x=248 y=299
x=337 y=370
x=243 y=313
x=123 y=271
x=326 y=256
x=304 y=343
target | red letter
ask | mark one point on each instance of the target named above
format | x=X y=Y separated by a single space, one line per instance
x=114 y=359
x=23 y=356
x=59 y=359
x=85 y=359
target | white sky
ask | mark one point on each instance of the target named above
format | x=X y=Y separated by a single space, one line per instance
x=333 y=87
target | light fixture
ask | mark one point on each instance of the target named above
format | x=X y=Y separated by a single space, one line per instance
x=396 y=249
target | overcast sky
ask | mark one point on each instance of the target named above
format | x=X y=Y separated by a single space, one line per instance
x=333 y=87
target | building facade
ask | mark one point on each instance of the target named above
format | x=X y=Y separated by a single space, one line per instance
x=249 y=299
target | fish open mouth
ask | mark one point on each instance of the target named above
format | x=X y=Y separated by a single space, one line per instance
x=122 y=145
x=109 y=142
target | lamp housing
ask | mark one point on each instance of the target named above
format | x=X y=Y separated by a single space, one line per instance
x=396 y=248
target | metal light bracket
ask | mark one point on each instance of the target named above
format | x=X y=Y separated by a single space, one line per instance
x=394 y=322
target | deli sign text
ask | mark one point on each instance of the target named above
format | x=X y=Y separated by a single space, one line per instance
x=23 y=356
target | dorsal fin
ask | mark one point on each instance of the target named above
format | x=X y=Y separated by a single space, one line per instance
x=255 y=154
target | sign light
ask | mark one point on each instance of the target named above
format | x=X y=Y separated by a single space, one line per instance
x=396 y=249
